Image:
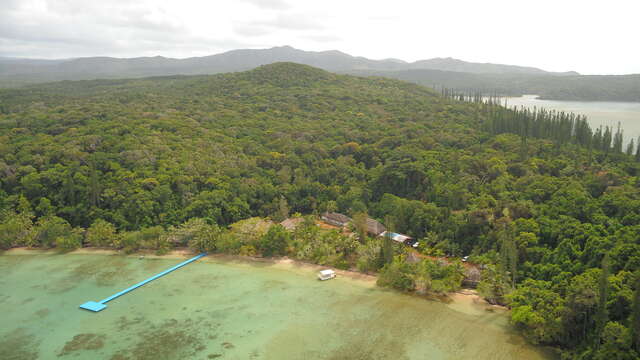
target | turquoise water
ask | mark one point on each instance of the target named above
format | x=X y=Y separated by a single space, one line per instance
x=230 y=310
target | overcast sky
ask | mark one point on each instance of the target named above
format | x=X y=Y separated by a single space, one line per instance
x=586 y=36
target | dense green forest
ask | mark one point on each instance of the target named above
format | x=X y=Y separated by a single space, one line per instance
x=548 y=205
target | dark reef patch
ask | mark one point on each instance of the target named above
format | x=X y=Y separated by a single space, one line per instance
x=170 y=339
x=124 y=323
x=42 y=313
x=83 y=342
x=18 y=345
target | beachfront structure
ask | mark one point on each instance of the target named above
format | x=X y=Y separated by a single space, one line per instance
x=336 y=219
x=401 y=238
x=396 y=237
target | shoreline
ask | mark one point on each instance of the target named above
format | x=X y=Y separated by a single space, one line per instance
x=463 y=296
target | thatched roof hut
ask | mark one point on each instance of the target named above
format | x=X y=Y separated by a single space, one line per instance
x=292 y=223
x=336 y=219
x=374 y=227
x=472 y=276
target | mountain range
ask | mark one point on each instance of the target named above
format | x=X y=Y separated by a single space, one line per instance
x=437 y=72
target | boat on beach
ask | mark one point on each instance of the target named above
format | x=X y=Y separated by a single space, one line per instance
x=326 y=274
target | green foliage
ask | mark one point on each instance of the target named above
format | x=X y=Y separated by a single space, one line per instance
x=183 y=234
x=101 y=234
x=537 y=310
x=368 y=255
x=635 y=316
x=205 y=238
x=15 y=230
x=616 y=343
x=494 y=286
x=70 y=241
x=274 y=242
x=155 y=238
x=397 y=274
x=438 y=276
x=130 y=241
x=49 y=229
x=568 y=87
x=537 y=197
x=602 y=315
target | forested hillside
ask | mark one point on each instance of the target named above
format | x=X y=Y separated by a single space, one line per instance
x=551 y=207
x=16 y=72
x=570 y=87
x=437 y=73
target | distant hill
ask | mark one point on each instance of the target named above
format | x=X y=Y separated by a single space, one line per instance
x=451 y=64
x=238 y=60
x=14 y=70
x=437 y=72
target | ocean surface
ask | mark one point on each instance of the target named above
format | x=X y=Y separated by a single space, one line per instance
x=225 y=309
x=599 y=113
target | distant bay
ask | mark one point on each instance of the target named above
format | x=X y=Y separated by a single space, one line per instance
x=598 y=113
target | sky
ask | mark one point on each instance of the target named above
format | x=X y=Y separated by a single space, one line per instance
x=591 y=37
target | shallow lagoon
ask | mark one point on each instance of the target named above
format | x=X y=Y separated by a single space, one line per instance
x=230 y=310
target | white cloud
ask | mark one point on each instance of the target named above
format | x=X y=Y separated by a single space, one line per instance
x=587 y=36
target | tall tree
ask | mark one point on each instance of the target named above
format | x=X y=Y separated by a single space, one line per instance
x=617 y=140
x=508 y=252
x=630 y=148
x=387 y=242
x=635 y=314
x=602 y=316
x=360 y=225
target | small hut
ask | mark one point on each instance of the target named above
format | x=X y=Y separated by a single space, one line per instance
x=401 y=238
x=374 y=227
x=292 y=223
x=472 y=277
x=336 y=219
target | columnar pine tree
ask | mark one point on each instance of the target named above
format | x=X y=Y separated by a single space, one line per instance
x=630 y=148
x=635 y=315
x=603 y=294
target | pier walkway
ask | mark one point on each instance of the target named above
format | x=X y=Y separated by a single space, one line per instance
x=100 y=305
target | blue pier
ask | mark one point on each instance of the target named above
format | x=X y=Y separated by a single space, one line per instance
x=100 y=305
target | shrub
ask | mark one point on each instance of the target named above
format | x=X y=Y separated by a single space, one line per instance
x=398 y=275
x=274 y=242
x=49 y=229
x=71 y=241
x=101 y=234
x=15 y=229
x=130 y=241
x=205 y=238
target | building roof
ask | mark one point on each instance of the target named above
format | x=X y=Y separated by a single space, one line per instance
x=399 y=237
x=336 y=217
x=396 y=237
x=374 y=227
x=292 y=223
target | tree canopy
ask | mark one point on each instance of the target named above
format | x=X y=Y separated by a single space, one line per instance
x=540 y=198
